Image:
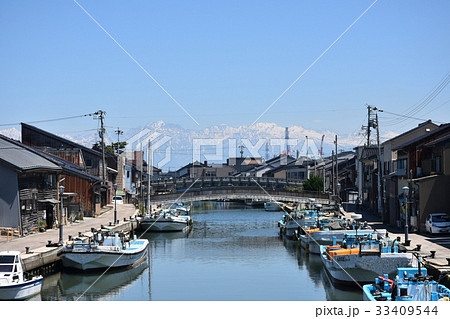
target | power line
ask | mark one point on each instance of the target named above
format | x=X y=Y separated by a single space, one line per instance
x=419 y=106
x=51 y=120
x=409 y=117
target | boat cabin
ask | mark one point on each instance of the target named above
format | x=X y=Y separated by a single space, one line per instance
x=11 y=269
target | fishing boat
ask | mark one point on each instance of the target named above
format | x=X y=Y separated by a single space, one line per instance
x=293 y=224
x=335 y=229
x=14 y=284
x=410 y=284
x=182 y=209
x=360 y=259
x=167 y=220
x=254 y=202
x=104 y=250
x=273 y=206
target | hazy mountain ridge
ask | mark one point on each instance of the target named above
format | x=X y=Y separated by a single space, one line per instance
x=181 y=139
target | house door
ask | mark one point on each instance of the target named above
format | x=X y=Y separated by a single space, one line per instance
x=50 y=218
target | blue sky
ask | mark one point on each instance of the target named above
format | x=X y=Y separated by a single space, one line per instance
x=225 y=62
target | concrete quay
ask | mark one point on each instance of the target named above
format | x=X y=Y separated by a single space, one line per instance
x=43 y=259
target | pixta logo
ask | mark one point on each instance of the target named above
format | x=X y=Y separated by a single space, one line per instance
x=149 y=144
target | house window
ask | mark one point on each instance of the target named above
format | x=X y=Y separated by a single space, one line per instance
x=436 y=164
x=128 y=174
x=401 y=164
x=50 y=181
x=26 y=205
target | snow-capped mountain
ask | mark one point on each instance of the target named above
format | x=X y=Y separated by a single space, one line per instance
x=174 y=146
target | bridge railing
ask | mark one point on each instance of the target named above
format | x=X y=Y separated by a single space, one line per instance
x=175 y=185
x=231 y=186
x=241 y=193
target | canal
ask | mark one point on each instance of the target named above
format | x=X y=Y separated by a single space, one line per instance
x=233 y=253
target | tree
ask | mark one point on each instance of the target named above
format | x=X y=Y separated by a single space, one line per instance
x=111 y=149
x=314 y=183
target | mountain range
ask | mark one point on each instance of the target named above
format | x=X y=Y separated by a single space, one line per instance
x=174 y=146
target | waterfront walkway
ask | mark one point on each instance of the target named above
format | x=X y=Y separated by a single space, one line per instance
x=39 y=240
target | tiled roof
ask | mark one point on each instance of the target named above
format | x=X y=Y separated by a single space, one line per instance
x=20 y=158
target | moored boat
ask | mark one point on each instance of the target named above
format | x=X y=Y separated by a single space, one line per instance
x=104 y=250
x=410 y=284
x=360 y=259
x=168 y=220
x=329 y=230
x=14 y=284
x=182 y=209
x=273 y=206
x=294 y=224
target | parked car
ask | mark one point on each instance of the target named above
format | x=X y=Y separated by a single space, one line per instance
x=437 y=223
x=117 y=199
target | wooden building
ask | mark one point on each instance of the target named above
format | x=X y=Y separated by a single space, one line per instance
x=28 y=188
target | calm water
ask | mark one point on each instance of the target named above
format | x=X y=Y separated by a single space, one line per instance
x=233 y=253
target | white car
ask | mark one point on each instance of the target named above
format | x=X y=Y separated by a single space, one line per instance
x=437 y=223
x=117 y=199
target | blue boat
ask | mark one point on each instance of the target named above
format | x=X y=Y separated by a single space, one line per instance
x=410 y=284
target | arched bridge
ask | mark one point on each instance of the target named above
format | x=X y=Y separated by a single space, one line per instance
x=216 y=188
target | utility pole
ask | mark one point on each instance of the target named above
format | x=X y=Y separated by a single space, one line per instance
x=307 y=147
x=286 y=137
x=241 y=150
x=141 y=160
x=380 y=170
x=61 y=209
x=118 y=132
x=101 y=115
x=336 y=165
x=368 y=124
x=332 y=173
x=150 y=173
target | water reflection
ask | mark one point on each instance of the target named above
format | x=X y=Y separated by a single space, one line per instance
x=335 y=294
x=90 y=286
x=233 y=252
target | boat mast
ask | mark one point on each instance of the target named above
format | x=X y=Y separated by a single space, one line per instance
x=150 y=173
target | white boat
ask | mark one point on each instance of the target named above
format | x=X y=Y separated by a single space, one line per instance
x=104 y=251
x=167 y=220
x=13 y=282
x=361 y=262
x=294 y=224
x=273 y=206
x=183 y=209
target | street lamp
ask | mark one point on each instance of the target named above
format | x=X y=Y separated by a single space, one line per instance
x=406 y=193
x=61 y=192
x=115 y=203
